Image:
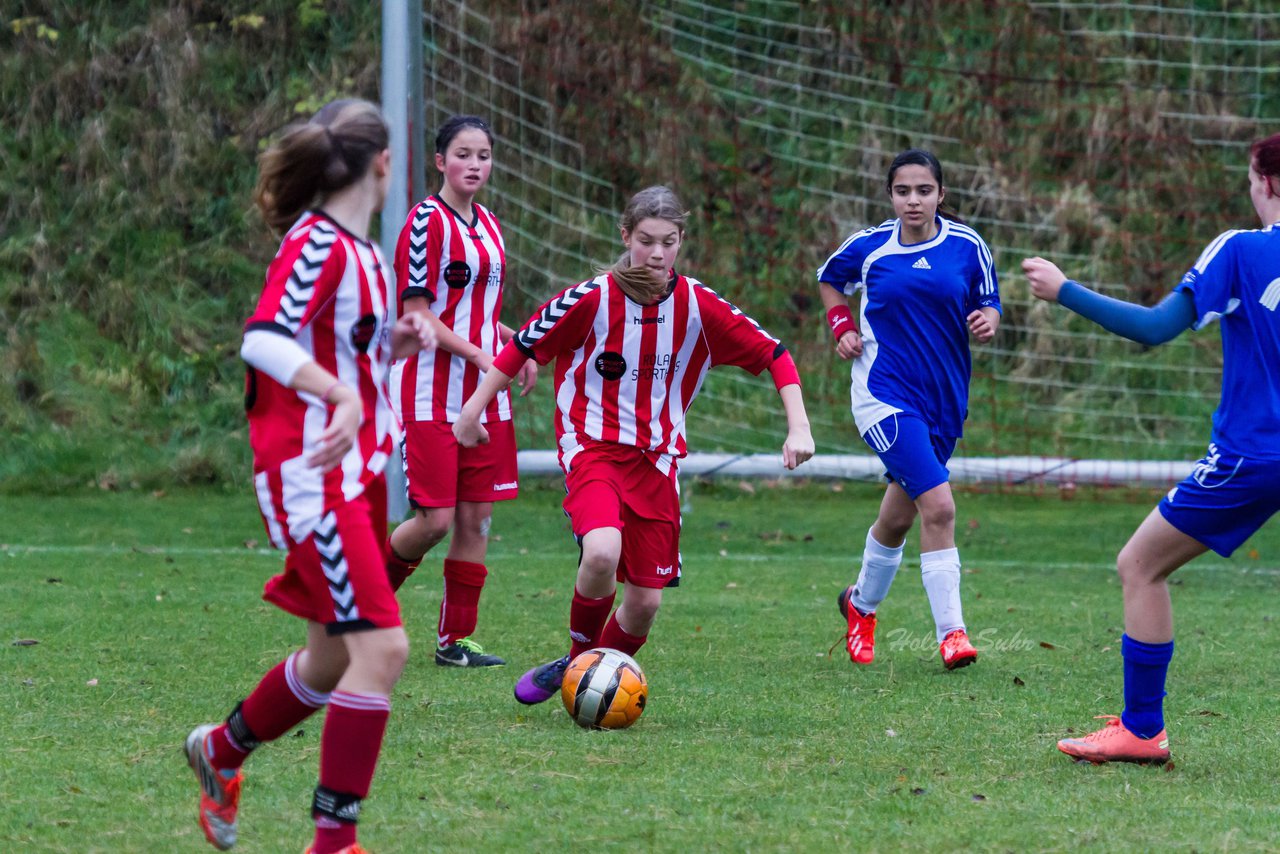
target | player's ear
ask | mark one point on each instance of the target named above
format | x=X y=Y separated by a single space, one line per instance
x=382 y=163
x=439 y=162
x=626 y=237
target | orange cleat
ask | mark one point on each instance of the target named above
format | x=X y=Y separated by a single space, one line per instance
x=219 y=796
x=957 y=651
x=861 y=637
x=1115 y=743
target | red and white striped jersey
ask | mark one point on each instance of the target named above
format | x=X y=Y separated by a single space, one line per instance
x=458 y=266
x=330 y=291
x=627 y=373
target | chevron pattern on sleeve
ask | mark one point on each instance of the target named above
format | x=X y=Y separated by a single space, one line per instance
x=417 y=273
x=552 y=312
x=302 y=279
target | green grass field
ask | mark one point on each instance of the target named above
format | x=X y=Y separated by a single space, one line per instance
x=145 y=618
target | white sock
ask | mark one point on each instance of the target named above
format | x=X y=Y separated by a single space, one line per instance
x=940 y=572
x=879 y=566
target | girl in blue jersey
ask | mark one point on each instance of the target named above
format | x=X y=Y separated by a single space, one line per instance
x=927 y=284
x=1236 y=487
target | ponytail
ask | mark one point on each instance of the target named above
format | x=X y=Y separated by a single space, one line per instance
x=314 y=159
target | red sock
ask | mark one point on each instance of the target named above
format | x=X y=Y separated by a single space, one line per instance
x=349 y=747
x=460 y=607
x=279 y=703
x=398 y=569
x=616 y=637
x=586 y=619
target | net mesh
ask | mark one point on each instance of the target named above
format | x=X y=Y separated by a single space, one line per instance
x=1111 y=138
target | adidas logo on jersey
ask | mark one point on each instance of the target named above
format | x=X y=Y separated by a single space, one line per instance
x=922 y=264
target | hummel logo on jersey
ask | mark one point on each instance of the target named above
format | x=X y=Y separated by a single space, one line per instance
x=511 y=484
x=922 y=264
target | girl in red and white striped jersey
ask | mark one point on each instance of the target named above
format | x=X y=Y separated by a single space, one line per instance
x=451 y=261
x=320 y=423
x=632 y=347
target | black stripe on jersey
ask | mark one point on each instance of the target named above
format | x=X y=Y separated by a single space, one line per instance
x=551 y=314
x=415 y=291
x=267 y=326
x=302 y=279
x=778 y=351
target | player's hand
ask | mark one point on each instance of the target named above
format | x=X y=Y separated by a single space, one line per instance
x=850 y=345
x=1044 y=277
x=412 y=333
x=470 y=432
x=797 y=448
x=980 y=325
x=340 y=434
x=527 y=376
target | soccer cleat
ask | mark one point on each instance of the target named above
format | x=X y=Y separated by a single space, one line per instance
x=219 y=797
x=541 y=682
x=957 y=651
x=861 y=637
x=465 y=653
x=1115 y=743
x=350 y=849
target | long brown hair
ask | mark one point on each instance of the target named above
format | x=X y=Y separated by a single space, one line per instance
x=655 y=202
x=316 y=158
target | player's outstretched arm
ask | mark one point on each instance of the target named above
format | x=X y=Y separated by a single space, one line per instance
x=798 y=446
x=1145 y=325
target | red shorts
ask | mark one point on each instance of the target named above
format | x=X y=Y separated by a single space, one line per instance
x=440 y=472
x=615 y=486
x=338 y=575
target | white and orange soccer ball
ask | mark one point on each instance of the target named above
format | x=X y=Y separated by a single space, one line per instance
x=604 y=689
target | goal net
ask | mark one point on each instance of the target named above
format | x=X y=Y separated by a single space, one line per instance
x=1109 y=137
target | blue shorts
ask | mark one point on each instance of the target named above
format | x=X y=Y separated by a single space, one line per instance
x=1225 y=499
x=913 y=457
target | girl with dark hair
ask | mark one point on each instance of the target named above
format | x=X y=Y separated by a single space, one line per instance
x=928 y=284
x=451 y=262
x=631 y=346
x=1230 y=493
x=318 y=347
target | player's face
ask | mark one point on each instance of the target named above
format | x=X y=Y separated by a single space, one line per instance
x=915 y=196
x=654 y=243
x=467 y=162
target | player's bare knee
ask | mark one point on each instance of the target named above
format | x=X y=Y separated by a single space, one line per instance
x=939 y=516
x=599 y=562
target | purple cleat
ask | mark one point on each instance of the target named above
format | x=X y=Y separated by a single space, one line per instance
x=541 y=682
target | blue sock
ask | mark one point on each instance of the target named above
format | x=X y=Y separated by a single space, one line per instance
x=1145 y=666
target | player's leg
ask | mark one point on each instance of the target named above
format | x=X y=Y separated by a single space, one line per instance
x=628 y=626
x=1145 y=563
x=431 y=481
x=366 y=622
x=464 y=578
x=881 y=558
x=353 y=730
x=595 y=512
x=940 y=574
x=286 y=696
x=486 y=474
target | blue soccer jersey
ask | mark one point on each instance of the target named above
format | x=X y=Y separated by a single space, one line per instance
x=1237 y=279
x=915 y=338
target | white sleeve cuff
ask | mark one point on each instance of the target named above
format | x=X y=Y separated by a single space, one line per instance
x=278 y=356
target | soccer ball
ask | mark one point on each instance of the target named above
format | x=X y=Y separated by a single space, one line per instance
x=604 y=689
